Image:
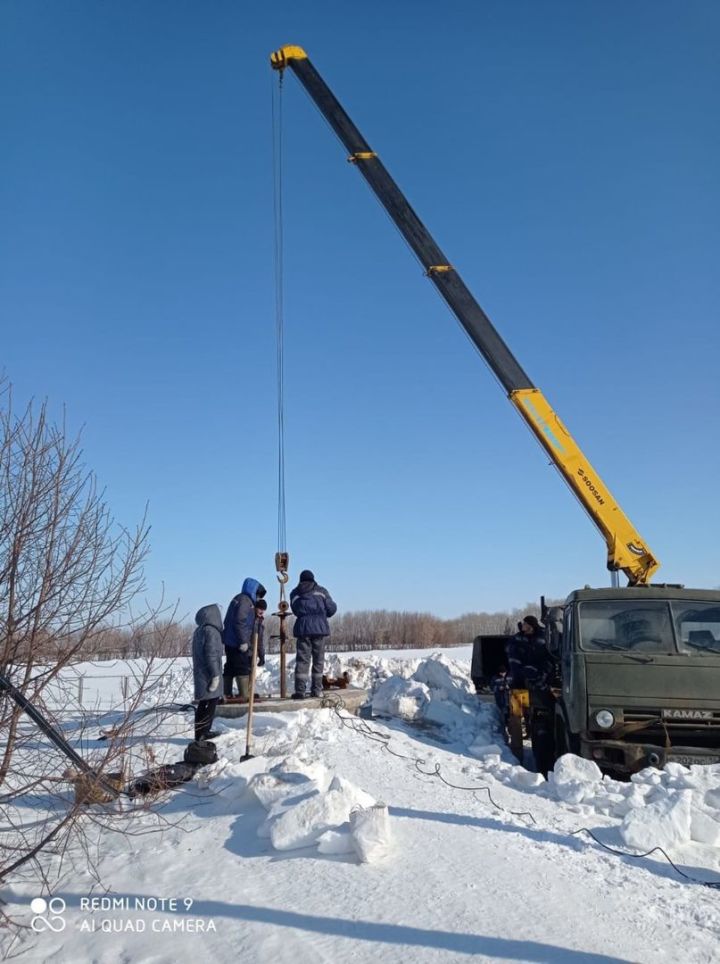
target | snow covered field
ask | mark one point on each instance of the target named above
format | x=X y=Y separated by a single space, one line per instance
x=411 y=836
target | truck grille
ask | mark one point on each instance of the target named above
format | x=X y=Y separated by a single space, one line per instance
x=677 y=731
x=710 y=718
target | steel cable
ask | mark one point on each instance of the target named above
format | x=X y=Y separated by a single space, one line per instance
x=277 y=150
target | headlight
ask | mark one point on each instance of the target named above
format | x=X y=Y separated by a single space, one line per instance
x=604 y=719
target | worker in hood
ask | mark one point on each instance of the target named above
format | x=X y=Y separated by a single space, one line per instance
x=243 y=657
x=207 y=653
x=238 y=631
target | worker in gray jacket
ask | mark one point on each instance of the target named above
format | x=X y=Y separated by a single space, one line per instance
x=207 y=654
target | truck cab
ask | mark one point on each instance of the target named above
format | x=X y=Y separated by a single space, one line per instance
x=639 y=676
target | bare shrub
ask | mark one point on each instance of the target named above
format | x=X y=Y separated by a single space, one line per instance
x=68 y=575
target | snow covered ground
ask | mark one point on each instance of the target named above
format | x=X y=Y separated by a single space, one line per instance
x=412 y=835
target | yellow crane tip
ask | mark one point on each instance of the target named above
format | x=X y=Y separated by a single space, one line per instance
x=279 y=58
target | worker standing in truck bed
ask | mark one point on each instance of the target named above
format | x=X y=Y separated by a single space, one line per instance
x=531 y=665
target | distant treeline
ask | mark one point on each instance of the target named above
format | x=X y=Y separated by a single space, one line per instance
x=351 y=632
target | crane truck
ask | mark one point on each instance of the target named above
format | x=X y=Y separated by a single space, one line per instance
x=639 y=665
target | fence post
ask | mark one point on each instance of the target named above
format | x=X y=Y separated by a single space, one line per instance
x=80 y=690
x=124 y=688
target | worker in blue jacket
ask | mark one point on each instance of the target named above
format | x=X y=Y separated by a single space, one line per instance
x=531 y=665
x=243 y=660
x=312 y=606
x=238 y=633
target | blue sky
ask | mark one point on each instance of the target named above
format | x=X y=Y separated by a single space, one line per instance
x=565 y=156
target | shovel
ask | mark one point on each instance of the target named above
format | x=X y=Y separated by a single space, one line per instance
x=251 y=695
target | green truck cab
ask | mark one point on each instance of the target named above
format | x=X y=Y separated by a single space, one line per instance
x=639 y=677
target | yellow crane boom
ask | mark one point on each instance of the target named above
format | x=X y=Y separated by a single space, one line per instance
x=626 y=550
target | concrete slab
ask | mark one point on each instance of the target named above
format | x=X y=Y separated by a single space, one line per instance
x=352 y=700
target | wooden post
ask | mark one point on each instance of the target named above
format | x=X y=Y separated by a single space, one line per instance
x=251 y=694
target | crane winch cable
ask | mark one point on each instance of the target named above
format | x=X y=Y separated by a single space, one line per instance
x=279 y=305
x=282 y=559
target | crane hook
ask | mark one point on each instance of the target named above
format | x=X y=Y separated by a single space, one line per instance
x=282 y=564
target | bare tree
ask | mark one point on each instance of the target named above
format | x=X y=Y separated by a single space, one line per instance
x=68 y=574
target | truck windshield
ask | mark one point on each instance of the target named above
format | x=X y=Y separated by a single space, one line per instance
x=698 y=627
x=626 y=626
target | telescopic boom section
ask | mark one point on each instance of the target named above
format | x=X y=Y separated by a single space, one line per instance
x=626 y=549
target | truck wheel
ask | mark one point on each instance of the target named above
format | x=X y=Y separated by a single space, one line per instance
x=515 y=736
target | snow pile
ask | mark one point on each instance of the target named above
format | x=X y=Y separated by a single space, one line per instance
x=657 y=808
x=520 y=777
x=228 y=843
x=664 y=823
x=573 y=778
x=490 y=753
x=307 y=805
x=172 y=679
x=446 y=678
x=405 y=698
x=705 y=825
x=289 y=779
x=700 y=784
x=303 y=823
x=366 y=672
x=438 y=692
x=671 y=808
x=457 y=720
x=495 y=765
x=370 y=830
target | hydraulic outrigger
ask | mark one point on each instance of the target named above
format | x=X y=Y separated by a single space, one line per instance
x=626 y=550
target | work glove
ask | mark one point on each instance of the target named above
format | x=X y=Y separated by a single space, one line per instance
x=244 y=647
x=261 y=661
x=214 y=683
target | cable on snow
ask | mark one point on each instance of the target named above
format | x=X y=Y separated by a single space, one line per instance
x=361 y=727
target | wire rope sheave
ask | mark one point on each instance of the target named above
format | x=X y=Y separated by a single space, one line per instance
x=281 y=58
